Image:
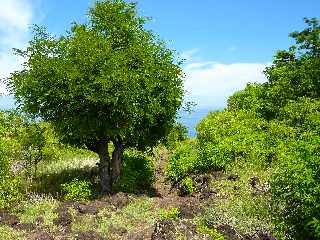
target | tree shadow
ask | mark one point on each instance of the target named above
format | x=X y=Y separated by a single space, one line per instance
x=50 y=183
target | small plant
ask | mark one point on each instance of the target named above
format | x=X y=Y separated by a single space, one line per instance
x=212 y=232
x=171 y=214
x=77 y=190
x=186 y=187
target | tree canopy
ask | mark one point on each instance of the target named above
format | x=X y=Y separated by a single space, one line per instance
x=108 y=80
x=294 y=73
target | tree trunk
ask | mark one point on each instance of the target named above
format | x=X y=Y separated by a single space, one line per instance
x=104 y=166
x=117 y=157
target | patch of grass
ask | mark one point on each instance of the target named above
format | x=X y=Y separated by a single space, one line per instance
x=11 y=234
x=38 y=207
x=240 y=206
x=74 y=163
x=136 y=215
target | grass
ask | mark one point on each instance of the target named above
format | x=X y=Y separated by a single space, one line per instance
x=38 y=207
x=136 y=216
x=239 y=205
x=11 y=234
x=74 y=163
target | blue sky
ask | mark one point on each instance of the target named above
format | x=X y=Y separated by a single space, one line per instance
x=226 y=44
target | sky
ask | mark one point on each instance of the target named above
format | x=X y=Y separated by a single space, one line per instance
x=225 y=44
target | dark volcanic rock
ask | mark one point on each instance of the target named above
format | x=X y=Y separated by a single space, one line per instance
x=164 y=230
x=64 y=217
x=233 y=177
x=25 y=226
x=89 y=236
x=264 y=236
x=41 y=236
x=7 y=218
x=229 y=233
x=86 y=209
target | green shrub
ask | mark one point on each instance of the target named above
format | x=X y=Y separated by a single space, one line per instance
x=183 y=161
x=187 y=186
x=137 y=172
x=212 y=232
x=77 y=190
x=170 y=214
x=228 y=136
x=10 y=185
x=295 y=188
x=178 y=133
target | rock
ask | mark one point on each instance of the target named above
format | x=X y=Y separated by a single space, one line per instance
x=264 y=236
x=41 y=236
x=120 y=200
x=89 y=236
x=8 y=219
x=117 y=230
x=64 y=217
x=86 y=209
x=255 y=182
x=25 y=226
x=164 y=230
x=233 y=177
x=229 y=233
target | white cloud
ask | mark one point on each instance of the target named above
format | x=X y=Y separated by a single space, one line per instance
x=211 y=83
x=15 y=19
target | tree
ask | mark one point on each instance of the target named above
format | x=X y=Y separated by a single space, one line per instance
x=106 y=81
x=294 y=73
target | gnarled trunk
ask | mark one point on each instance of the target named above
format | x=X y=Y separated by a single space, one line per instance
x=104 y=167
x=117 y=157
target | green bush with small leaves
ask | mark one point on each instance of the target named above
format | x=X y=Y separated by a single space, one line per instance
x=170 y=214
x=183 y=161
x=178 y=133
x=137 y=172
x=77 y=190
x=295 y=188
x=10 y=184
x=187 y=186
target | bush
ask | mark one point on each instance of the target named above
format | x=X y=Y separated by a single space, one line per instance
x=137 y=172
x=228 y=136
x=183 y=161
x=77 y=190
x=171 y=214
x=295 y=188
x=10 y=185
x=178 y=133
x=186 y=186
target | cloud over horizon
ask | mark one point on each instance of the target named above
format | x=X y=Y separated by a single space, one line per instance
x=210 y=83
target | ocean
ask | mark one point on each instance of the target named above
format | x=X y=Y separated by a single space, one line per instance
x=190 y=120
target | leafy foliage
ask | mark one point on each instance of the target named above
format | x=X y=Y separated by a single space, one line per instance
x=183 y=161
x=177 y=134
x=187 y=186
x=274 y=125
x=77 y=190
x=105 y=78
x=108 y=80
x=138 y=172
x=170 y=214
x=295 y=188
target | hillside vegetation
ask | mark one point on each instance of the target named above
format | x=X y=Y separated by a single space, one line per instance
x=252 y=171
